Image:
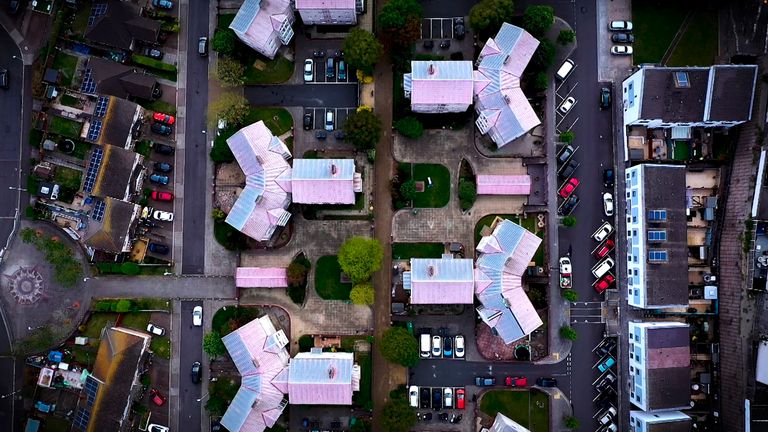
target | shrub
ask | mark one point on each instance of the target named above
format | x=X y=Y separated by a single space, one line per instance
x=409 y=127
x=467 y=193
x=570 y=295
x=408 y=190
x=153 y=64
x=224 y=41
x=360 y=257
x=306 y=342
x=571 y=422
x=568 y=332
x=542 y=81
x=537 y=19
x=130 y=268
x=213 y=345
x=569 y=221
x=568 y=136
x=398 y=346
x=566 y=37
x=362 y=294
x=123 y=305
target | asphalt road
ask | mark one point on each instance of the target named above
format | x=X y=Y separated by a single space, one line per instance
x=304 y=95
x=459 y=373
x=191 y=350
x=195 y=147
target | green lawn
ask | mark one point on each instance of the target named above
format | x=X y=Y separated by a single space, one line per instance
x=681 y=151
x=159 y=106
x=274 y=71
x=81 y=149
x=328 y=279
x=80 y=22
x=66 y=127
x=225 y=20
x=161 y=346
x=135 y=320
x=69 y=101
x=97 y=322
x=539 y=412
x=278 y=120
x=440 y=193
x=529 y=408
x=35 y=138
x=417 y=250
x=655 y=24
x=362 y=398
x=698 y=46
x=66 y=65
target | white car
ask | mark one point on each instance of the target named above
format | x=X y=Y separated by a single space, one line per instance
x=458 y=349
x=329 y=120
x=155 y=330
x=163 y=216
x=448 y=393
x=604 y=231
x=620 y=26
x=565 y=265
x=567 y=104
x=608 y=204
x=197 y=316
x=609 y=413
x=437 y=346
x=413 y=396
x=309 y=74
x=157 y=428
x=603 y=267
x=621 y=50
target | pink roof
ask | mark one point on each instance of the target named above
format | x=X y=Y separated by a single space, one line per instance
x=503 y=184
x=322 y=378
x=262 y=28
x=441 y=82
x=461 y=292
x=261 y=277
x=325 y=4
x=323 y=181
x=671 y=357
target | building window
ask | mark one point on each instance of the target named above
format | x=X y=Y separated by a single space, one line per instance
x=657 y=215
x=681 y=80
x=634 y=272
x=634 y=174
x=657 y=235
x=634 y=219
x=657 y=256
x=634 y=193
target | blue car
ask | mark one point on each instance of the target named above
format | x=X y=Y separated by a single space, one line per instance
x=157 y=178
x=448 y=346
x=162 y=4
x=607 y=364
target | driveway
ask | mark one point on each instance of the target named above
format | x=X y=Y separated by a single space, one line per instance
x=190 y=350
x=338 y=95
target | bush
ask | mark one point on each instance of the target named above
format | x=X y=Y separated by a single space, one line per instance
x=297 y=279
x=537 y=19
x=543 y=56
x=360 y=257
x=218 y=215
x=130 y=268
x=566 y=37
x=123 y=305
x=153 y=64
x=542 y=81
x=221 y=153
x=33 y=213
x=408 y=190
x=398 y=416
x=229 y=237
x=306 y=342
x=398 y=346
x=362 y=294
x=230 y=72
x=487 y=16
x=297 y=293
x=213 y=345
x=224 y=41
x=571 y=422
x=409 y=127
x=570 y=295
x=567 y=332
x=467 y=194
x=363 y=129
x=568 y=136
x=569 y=221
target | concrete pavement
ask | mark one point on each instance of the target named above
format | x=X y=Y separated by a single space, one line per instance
x=332 y=95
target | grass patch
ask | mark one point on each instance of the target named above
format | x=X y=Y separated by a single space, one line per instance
x=228 y=319
x=681 y=151
x=66 y=127
x=80 y=22
x=159 y=106
x=70 y=101
x=163 y=70
x=328 y=279
x=161 y=346
x=539 y=411
x=224 y=20
x=70 y=180
x=278 y=120
x=698 y=46
x=417 y=250
x=135 y=320
x=513 y=404
x=35 y=138
x=440 y=193
x=97 y=322
x=275 y=71
x=143 y=147
x=362 y=398
x=66 y=65
x=56 y=424
x=81 y=149
x=655 y=24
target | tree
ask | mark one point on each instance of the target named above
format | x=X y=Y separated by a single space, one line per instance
x=362 y=294
x=487 y=16
x=230 y=72
x=538 y=19
x=467 y=193
x=398 y=346
x=570 y=295
x=409 y=127
x=123 y=305
x=569 y=221
x=231 y=107
x=221 y=153
x=568 y=332
x=408 y=190
x=28 y=235
x=400 y=21
x=568 y=136
x=571 y=422
x=543 y=56
x=363 y=129
x=398 y=416
x=566 y=37
x=224 y=41
x=218 y=214
x=297 y=271
x=130 y=268
x=362 y=50
x=360 y=257
x=542 y=81
x=213 y=345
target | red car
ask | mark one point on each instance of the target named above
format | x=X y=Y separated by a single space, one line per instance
x=604 y=283
x=164 y=118
x=516 y=381
x=569 y=187
x=162 y=196
x=603 y=250
x=460 y=398
x=156 y=397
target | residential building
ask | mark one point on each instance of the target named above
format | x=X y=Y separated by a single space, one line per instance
x=325 y=181
x=659 y=365
x=113 y=171
x=111 y=225
x=440 y=281
x=499 y=184
x=503 y=111
x=322 y=378
x=327 y=12
x=503 y=423
x=261 y=277
x=109 y=391
x=503 y=258
x=439 y=86
x=119 y=24
x=264 y=25
x=657 y=252
x=106 y=77
x=667 y=421
x=114 y=121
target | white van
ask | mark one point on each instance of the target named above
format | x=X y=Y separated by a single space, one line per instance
x=565 y=69
x=602 y=267
x=424 y=345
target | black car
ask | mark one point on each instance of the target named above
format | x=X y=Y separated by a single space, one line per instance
x=307 y=121
x=569 y=205
x=163 y=167
x=445 y=44
x=623 y=37
x=164 y=149
x=437 y=398
x=159 y=248
x=546 y=382
x=426 y=416
x=4 y=78
x=568 y=170
x=197 y=372
x=605 y=98
x=424 y=401
x=161 y=129
x=608 y=177
x=153 y=53
x=458 y=28
x=321 y=135
x=443 y=417
x=429 y=44
x=565 y=154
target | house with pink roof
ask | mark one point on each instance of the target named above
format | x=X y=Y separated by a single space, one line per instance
x=261 y=277
x=498 y=184
x=264 y=25
x=333 y=12
x=325 y=181
x=323 y=378
x=439 y=86
x=503 y=111
x=445 y=280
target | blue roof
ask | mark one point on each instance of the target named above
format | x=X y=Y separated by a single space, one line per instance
x=243 y=207
x=245 y=15
x=446 y=70
x=314 y=370
x=445 y=270
x=320 y=169
x=242 y=404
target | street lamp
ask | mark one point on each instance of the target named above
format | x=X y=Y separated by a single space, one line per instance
x=200 y=399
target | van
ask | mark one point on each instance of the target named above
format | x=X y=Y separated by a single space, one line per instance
x=602 y=267
x=202 y=46
x=565 y=69
x=424 y=345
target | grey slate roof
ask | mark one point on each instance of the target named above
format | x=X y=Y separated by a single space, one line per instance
x=676 y=426
x=732 y=92
x=662 y=99
x=669 y=387
x=121 y=25
x=118 y=80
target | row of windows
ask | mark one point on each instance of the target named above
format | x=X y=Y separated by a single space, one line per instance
x=657 y=256
x=657 y=215
x=657 y=235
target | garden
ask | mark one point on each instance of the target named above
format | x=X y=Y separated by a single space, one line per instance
x=61 y=126
x=407 y=251
x=347 y=276
x=698 y=45
x=328 y=279
x=530 y=408
x=421 y=186
x=656 y=23
x=66 y=65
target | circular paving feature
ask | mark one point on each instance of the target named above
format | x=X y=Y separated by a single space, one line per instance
x=26 y=285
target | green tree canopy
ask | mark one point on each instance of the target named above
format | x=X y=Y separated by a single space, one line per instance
x=394 y=14
x=359 y=257
x=541 y=82
x=487 y=16
x=543 y=56
x=213 y=345
x=400 y=21
x=568 y=332
x=398 y=346
x=467 y=193
x=409 y=127
x=566 y=37
x=569 y=221
x=123 y=305
x=568 y=136
x=363 y=129
x=570 y=295
x=297 y=271
x=408 y=190
x=231 y=107
x=398 y=416
x=537 y=19
x=362 y=50
x=571 y=422
x=230 y=72
x=362 y=294
x=224 y=41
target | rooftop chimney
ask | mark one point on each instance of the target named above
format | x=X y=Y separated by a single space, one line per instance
x=334 y=170
x=431 y=271
x=431 y=69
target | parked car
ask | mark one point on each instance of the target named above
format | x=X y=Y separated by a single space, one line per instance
x=620 y=26
x=163 y=167
x=448 y=396
x=197 y=372
x=459 y=346
x=162 y=4
x=459 y=31
x=569 y=170
x=436 y=346
x=621 y=50
x=515 y=381
x=604 y=248
x=460 y=398
x=309 y=70
x=605 y=97
x=163 y=216
x=570 y=204
x=152 y=53
x=155 y=330
x=329 y=120
x=606 y=364
x=163 y=149
x=604 y=231
x=342 y=70
x=546 y=382
x=197 y=316
x=623 y=37
x=567 y=105
x=424 y=345
x=157 y=428
x=321 y=135
x=565 y=154
x=160 y=179
x=447 y=346
x=164 y=118
x=605 y=347
x=157 y=398
x=161 y=129
x=568 y=187
x=445 y=44
x=437 y=398
x=608 y=204
x=608 y=177
x=566 y=277
x=608 y=416
x=604 y=283
x=485 y=381
x=413 y=396
x=4 y=78
x=330 y=68
x=426 y=402
x=159 y=248
x=202 y=46
x=307 y=121
x=602 y=267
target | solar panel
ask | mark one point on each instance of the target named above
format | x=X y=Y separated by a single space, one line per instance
x=91 y=389
x=101 y=106
x=96 y=11
x=682 y=79
x=88 y=85
x=94 y=130
x=82 y=418
x=93 y=169
x=245 y=16
x=98 y=211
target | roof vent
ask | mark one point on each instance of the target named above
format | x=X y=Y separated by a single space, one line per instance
x=506 y=99
x=259 y=159
x=431 y=271
x=431 y=69
x=331 y=372
x=506 y=59
x=334 y=169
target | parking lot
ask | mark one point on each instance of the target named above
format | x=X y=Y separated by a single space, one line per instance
x=319 y=117
x=323 y=72
x=605 y=384
x=437 y=28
